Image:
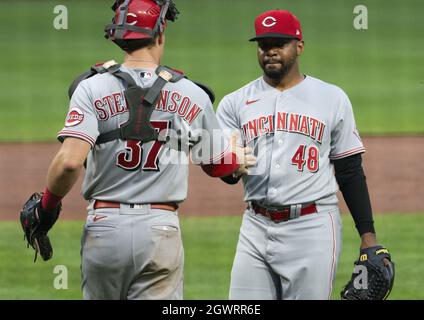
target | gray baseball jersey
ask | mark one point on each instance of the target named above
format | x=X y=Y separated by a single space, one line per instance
x=125 y=171
x=135 y=251
x=296 y=133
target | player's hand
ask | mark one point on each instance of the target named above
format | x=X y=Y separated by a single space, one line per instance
x=369 y=240
x=245 y=156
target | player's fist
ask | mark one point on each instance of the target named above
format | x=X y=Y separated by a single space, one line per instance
x=245 y=156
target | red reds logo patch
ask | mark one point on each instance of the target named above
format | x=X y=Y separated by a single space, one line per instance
x=75 y=116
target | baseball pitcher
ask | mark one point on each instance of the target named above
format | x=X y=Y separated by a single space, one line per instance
x=133 y=126
x=304 y=135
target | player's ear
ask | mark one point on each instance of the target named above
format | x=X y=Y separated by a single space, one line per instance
x=300 y=45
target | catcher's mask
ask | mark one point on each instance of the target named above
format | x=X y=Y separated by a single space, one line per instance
x=140 y=19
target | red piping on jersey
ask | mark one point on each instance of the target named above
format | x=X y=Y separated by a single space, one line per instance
x=226 y=166
x=76 y=134
x=334 y=258
x=348 y=153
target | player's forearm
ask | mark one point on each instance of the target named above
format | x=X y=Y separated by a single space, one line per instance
x=351 y=179
x=66 y=167
x=62 y=175
x=60 y=179
x=358 y=201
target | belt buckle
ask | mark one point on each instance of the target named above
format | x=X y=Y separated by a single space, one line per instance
x=137 y=206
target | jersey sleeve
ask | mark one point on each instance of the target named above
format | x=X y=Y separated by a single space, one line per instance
x=345 y=139
x=81 y=121
x=227 y=119
x=210 y=144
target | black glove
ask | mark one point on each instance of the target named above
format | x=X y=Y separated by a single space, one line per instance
x=375 y=280
x=36 y=222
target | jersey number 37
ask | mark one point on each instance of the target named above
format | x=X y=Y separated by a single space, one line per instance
x=130 y=159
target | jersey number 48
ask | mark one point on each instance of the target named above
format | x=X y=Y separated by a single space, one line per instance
x=308 y=156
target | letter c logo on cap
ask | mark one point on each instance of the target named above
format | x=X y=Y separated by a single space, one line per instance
x=269 y=22
x=132 y=15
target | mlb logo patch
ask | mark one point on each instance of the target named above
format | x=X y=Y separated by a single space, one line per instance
x=145 y=75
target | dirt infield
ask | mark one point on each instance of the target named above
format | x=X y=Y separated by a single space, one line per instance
x=393 y=165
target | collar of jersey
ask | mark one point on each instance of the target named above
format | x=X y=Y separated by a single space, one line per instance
x=291 y=89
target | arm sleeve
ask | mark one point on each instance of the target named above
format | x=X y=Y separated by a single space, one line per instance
x=81 y=121
x=228 y=122
x=230 y=179
x=211 y=147
x=352 y=182
x=345 y=139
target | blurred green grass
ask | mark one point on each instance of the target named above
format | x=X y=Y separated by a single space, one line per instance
x=209 y=249
x=379 y=68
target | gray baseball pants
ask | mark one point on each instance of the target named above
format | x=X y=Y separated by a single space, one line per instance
x=132 y=253
x=295 y=259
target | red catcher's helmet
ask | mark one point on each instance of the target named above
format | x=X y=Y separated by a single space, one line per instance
x=140 y=19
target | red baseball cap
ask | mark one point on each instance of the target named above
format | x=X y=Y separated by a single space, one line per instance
x=277 y=24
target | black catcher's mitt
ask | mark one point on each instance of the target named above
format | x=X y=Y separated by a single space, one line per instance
x=373 y=276
x=36 y=222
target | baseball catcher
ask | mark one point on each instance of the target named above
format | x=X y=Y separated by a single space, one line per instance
x=377 y=272
x=131 y=246
x=36 y=222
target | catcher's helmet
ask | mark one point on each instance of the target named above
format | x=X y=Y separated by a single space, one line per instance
x=140 y=19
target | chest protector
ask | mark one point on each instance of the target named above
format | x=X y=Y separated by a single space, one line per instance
x=141 y=101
